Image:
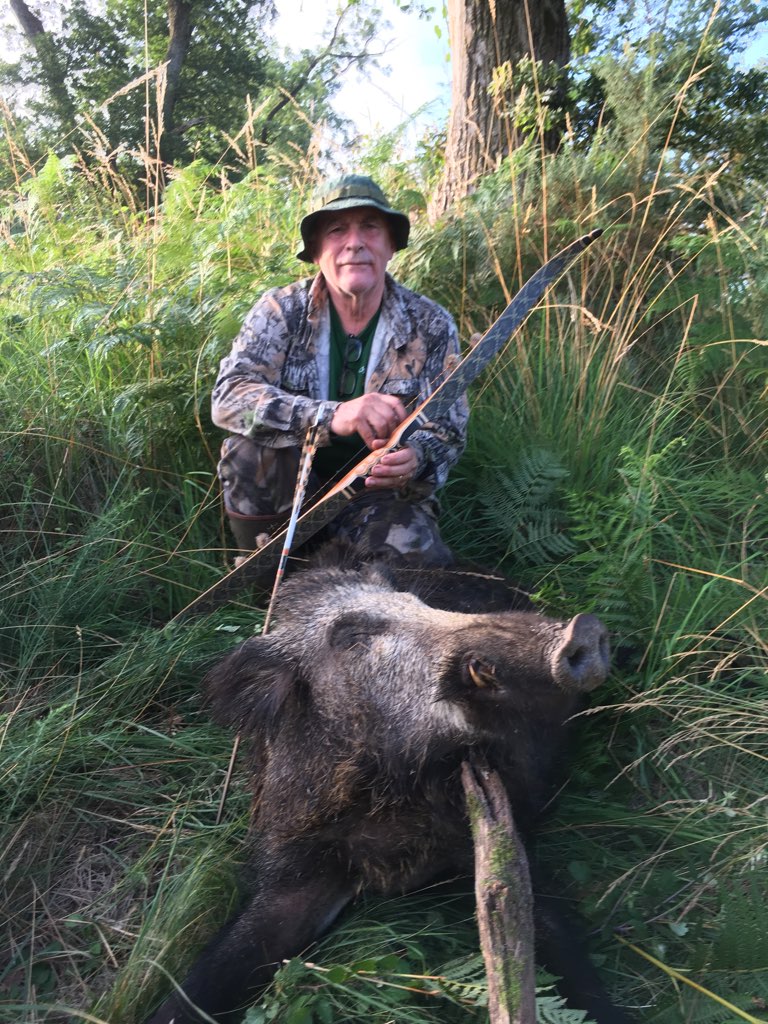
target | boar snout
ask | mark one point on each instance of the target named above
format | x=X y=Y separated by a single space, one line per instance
x=582 y=658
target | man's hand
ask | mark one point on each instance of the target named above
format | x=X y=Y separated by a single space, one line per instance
x=394 y=469
x=372 y=416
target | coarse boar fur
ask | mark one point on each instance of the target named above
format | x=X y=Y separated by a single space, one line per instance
x=357 y=709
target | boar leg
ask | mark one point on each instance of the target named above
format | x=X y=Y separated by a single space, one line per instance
x=562 y=950
x=275 y=925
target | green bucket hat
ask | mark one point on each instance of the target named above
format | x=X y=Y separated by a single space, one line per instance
x=346 y=193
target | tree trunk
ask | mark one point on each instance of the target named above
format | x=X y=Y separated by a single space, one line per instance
x=52 y=72
x=30 y=24
x=179 y=37
x=486 y=35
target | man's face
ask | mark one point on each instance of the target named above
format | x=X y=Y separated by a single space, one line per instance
x=352 y=249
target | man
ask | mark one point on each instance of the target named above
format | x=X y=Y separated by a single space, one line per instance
x=354 y=351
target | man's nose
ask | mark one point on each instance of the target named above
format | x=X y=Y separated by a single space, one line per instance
x=355 y=238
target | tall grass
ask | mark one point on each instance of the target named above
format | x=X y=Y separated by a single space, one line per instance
x=616 y=463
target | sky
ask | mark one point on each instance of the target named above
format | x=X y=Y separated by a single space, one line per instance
x=416 y=56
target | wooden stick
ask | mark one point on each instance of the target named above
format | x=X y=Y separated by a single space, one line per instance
x=504 y=897
x=227 y=778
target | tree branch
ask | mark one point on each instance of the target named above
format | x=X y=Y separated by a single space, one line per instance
x=51 y=68
x=302 y=79
x=30 y=24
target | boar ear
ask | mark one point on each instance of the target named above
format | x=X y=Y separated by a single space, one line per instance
x=356 y=629
x=252 y=686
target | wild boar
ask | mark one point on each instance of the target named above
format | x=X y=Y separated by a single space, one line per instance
x=358 y=709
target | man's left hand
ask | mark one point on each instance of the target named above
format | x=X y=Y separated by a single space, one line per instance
x=394 y=469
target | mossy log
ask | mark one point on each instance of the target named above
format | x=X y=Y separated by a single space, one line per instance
x=504 y=898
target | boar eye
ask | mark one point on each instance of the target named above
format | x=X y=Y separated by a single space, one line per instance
x=482 y=674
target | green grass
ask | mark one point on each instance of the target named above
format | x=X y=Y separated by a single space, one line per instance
x=616 y=463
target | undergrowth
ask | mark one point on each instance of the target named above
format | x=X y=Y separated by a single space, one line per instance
x=616 y=464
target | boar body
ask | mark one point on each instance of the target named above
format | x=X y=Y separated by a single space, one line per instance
x=358 y=709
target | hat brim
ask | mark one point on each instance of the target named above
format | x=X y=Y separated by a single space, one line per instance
x=399 y=224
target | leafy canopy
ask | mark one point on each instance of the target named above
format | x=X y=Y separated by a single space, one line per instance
x=662 y=51
x=103 y=74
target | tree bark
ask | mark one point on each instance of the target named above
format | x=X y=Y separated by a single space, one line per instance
x=504 y=898
x=484 y=35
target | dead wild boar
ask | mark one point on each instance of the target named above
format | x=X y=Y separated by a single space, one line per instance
x=358 y=709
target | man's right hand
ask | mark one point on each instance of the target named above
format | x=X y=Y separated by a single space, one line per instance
x=373 y=416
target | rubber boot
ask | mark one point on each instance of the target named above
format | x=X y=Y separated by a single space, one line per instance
x=252 y=532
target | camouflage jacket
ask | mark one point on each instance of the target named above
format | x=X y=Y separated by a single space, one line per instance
x=272 y=384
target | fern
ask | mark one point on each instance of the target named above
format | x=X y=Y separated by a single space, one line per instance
x=522 y=508
x=464 y=980
x=551 y=1009
x=741 y=944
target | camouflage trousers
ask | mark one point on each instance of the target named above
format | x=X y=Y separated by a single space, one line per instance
x=258 y=485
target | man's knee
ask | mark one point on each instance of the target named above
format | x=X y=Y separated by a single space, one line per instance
x=386 y=524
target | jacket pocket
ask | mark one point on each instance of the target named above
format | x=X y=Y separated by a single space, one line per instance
x=405 y=388
x=295 y=379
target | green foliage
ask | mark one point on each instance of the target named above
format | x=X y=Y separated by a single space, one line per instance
x=105 y=83
x=381 y=963
x=639 y=61
x=741 y=943
x=616 y=463
x=519 y=505
x=550 y=1009
x=103 y=50
x=517 y=508
x=530 y=95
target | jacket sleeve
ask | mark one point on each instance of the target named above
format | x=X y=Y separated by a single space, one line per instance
x=254 y=394
x=440 y=444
